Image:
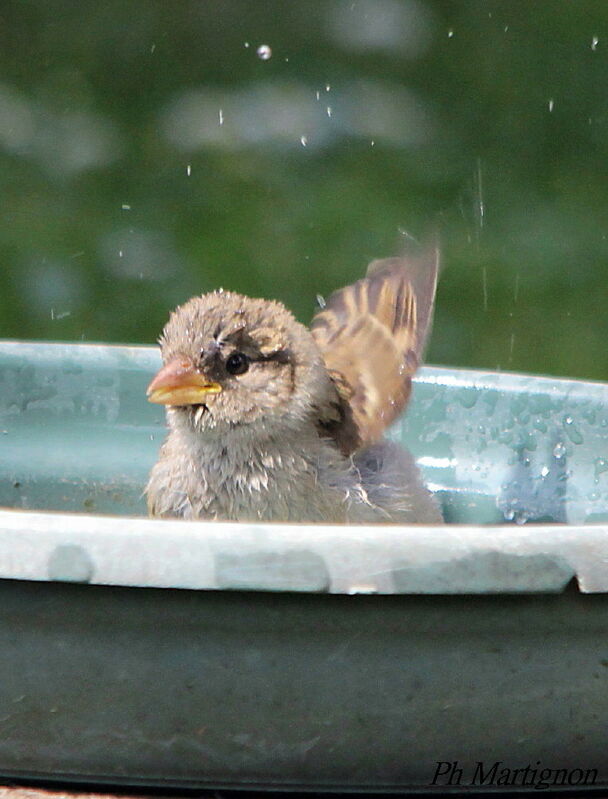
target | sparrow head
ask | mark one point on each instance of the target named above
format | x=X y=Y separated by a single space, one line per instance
x=232 y=360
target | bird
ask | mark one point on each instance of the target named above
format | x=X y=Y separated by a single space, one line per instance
x=271 y=421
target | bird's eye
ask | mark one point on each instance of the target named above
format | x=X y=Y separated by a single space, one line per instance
x=237 y=363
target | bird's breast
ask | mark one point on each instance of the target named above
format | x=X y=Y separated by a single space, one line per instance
x=235 y=480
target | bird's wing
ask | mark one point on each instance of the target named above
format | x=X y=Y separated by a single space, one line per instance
x=372 y=336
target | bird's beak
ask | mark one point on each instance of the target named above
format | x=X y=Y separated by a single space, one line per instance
x=179 y=383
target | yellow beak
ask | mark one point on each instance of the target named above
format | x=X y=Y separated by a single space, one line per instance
x=179 y=383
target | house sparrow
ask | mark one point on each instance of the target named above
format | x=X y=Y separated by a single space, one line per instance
x=271 y=421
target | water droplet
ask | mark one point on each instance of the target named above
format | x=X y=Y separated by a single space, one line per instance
x=318 y=95
x=594 y=42
x=467 y=397
x=551 y=104
x=559 y=450
x=504 y=437
x=321 y=301
x=189 y=170
x=246 y=45
x=601 y=466
x=264 y=52
x=303 y=141
x=126 y=207
x=450 y=33
x=327 y=88
x=329 y=111
x=544 y=471
x=572 y=431
x=221 y=116
x=589 y=415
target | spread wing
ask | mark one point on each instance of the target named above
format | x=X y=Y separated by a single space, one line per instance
x=372 y=336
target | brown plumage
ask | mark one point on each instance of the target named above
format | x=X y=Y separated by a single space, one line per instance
x=269 y=420
x=372 y=336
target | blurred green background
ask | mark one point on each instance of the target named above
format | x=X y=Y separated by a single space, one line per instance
x=150 y=151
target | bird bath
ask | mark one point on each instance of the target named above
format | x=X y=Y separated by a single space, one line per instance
x=190 y=654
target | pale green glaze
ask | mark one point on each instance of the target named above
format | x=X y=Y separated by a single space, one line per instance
x=77 y=434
